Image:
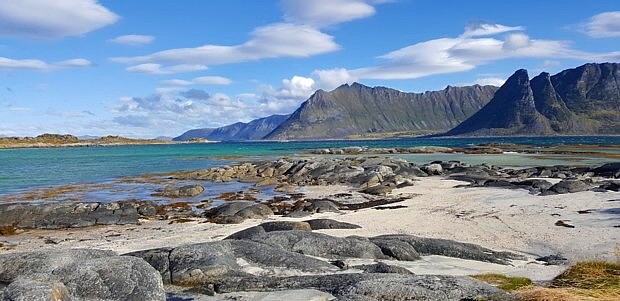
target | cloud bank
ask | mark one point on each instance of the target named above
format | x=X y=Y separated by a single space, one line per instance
x=52 y=19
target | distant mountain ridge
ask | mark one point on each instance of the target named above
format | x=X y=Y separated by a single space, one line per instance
x=253 y=130
x=357 y=111
x=580 y=101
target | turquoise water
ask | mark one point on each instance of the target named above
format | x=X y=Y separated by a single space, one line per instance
x=22 y=169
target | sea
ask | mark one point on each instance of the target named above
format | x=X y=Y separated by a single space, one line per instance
x=24 y=169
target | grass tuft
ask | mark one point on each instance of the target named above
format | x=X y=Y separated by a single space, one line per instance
x=504 y=282
x=590 y=275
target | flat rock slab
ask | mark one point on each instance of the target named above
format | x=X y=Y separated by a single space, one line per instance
x=373 y=286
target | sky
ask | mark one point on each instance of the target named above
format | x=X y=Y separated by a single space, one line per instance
x=153 y=68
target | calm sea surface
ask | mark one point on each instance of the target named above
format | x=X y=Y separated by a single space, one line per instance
x=22 y=169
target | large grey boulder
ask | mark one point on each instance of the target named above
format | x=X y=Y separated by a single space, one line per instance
x=78 y=274
x=568 y=186
x=112 y=278
x=405 y=247
x=210 y=262
x=608 y=170
x=320 y=245
x=13 y=265
x=171 y=191
x=237 y=212
x=325 y=223
x=309 y=225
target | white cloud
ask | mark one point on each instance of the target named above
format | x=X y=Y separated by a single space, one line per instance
x=493 y=81
x=7 y=63
x=320 y=13
x=332 y=78
x=477 y=46
x=298 y=36
x=516 y=41
x=158 y=69
x=297 y=88
x=603 y=25
x=212 y=80
x=271 y=41
x=179 y=110
x=175 y=82
x=203 y=80
x=133 y=40
x=481 y=29
x=74 y=63
x=34 y=64
x=52 y=19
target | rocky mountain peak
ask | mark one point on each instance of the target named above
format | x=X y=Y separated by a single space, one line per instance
x=583 y=100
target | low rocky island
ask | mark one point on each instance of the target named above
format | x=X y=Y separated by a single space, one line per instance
x=57 y=140
x=346 y=227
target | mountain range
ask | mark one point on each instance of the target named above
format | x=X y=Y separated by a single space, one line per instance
x=253 y=130
x=580 y=101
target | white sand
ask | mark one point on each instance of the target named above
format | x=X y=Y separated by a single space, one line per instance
x=500 y=219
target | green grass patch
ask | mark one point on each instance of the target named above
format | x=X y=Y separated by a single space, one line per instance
x=504 y=282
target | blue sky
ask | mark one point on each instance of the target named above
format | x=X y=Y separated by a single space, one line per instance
x=158 y=68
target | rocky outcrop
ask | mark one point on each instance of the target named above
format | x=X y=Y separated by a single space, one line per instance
x=266 y=261
x=580 y=101
x=78 y=274
x=309 y=225
x=360 y=172
x=367 y=287
x=399 y=247
x=212 y=261
x=357 y=111
x=185 y=191
x=74 y=214
x=318 y=244
x=237 y=212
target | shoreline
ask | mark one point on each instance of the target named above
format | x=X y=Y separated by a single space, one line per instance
x=341 y=222
x=497 y=218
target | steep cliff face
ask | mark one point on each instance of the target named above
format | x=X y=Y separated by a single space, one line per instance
x=580 y=101
x=592 y=92
x=511 y=111
x=358 y=110
x=253 y=130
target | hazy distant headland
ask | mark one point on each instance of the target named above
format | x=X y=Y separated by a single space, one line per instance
x=57 y=140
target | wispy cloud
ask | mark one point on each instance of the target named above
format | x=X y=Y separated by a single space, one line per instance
x=34 y=64
x=479 y=44
x=299 y=35
x=52 y=19
x=158 y=69
x=321 y=13
x=133 y=40
x=276 y=40
x=212 y=80
x=203 y=80
x=603 y=25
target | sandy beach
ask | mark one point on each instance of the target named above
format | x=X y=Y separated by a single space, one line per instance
x=499 y=219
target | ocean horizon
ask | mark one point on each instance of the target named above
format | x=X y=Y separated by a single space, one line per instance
x=22 y=169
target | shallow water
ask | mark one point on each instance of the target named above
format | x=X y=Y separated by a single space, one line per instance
x=24 y=169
